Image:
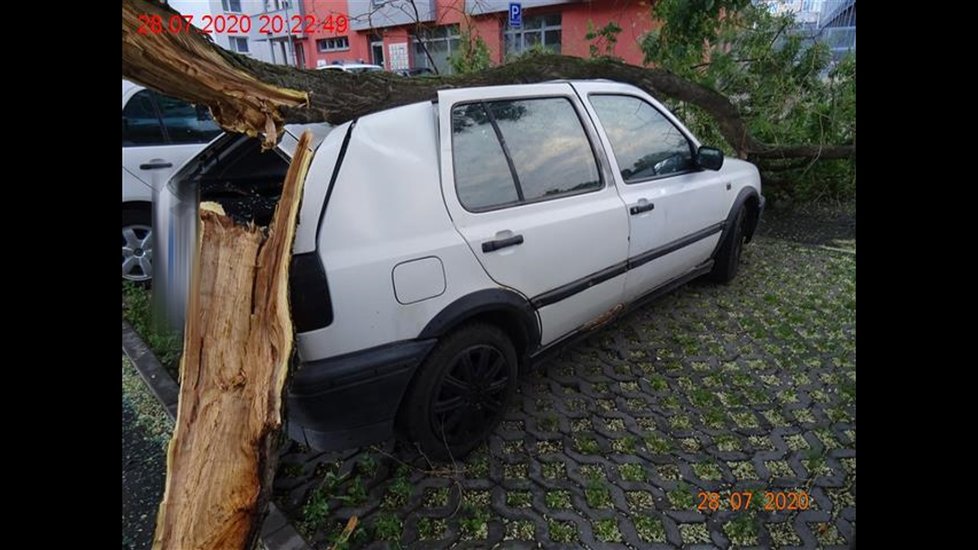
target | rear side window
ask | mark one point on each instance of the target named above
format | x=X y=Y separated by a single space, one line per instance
x=140 y=121
x=482 y=176
x=517 y=151
x=646 y=144
x=186 y=123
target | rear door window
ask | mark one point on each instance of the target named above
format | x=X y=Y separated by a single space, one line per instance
x=141 y=122
x=520 y=151
x=187 y=123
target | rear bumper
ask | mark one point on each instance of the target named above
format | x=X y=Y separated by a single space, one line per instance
x=352 y=400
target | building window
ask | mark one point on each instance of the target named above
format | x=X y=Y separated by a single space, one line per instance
x=231 y=5
x=333 y=44
x=239 y=44
x=441 y=43
x=541 y=31
x=377 y=49
x=276 y=5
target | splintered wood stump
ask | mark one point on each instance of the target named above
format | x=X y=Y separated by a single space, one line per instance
x=236 y=354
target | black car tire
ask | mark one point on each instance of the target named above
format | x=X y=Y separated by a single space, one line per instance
x=460 y=392
x=727 y=261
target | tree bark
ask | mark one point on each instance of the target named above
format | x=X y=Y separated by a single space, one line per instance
x=256 y=98
x=237 y=349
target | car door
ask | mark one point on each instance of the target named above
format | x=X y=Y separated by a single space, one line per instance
x=675 y=210
x=528 y=187
x=160 y=133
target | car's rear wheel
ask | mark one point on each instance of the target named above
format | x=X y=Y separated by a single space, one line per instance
x=727 y=262
x=460 y=392
x=137 y=244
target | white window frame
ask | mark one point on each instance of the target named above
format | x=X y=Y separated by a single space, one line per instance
x=542 y=31
x=420 y=59
x=334 y=44
x=226 y=4
x=235 y=41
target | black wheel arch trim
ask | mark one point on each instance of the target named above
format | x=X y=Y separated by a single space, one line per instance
x=745 y=194
x=492 y=300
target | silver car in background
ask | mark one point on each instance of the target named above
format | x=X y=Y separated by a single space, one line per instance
x=159 y=134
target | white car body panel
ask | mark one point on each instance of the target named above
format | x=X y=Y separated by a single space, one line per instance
x=326 y=143
x=592 y=221
x=137 y=183
x=387 y=209
x=133 y=188
x=379 y=215
x=684 y=204
x=175 y=155
x=418 y=280
x=351 y=67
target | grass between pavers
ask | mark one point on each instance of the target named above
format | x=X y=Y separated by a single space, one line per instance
x=150 y=415
x=137 y=308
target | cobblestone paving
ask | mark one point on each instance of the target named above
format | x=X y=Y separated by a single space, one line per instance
x=145 y=433
x=744 y=387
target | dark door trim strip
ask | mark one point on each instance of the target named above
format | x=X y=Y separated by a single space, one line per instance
x=566 y=291
x=648 y=256
x=580 y=285
x=649 y=296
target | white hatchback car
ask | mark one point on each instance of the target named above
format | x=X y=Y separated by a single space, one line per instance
x=443 y=246
x=159 y=134
x=352 y=67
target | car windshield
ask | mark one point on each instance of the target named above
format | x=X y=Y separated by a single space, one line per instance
x=364 y=69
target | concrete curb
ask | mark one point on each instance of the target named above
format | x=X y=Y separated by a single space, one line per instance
x=276 y=532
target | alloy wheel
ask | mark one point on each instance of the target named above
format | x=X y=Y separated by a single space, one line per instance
x=137 y=252
x=471 y=394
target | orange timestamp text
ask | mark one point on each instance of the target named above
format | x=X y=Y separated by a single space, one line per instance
x=767 y=500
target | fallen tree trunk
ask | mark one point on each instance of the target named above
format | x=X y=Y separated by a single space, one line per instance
x=256 y=98
x=237 y=349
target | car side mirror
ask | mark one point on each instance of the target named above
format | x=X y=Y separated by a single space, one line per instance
x=709 y=158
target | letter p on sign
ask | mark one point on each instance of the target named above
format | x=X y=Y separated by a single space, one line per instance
x=515 y=15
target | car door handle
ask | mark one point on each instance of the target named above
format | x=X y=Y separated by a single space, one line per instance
x=639 y=208
x=155 y=165
x=490 y=246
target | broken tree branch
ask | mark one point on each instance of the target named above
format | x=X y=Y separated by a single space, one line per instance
x=236 y=354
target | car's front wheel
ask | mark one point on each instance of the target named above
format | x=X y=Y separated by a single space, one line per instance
x=727 y=262
x=137 y=244
x=460 y=392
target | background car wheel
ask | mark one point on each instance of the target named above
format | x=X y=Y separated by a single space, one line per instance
x=728 y=259
x=460 y=392
x=137 y=245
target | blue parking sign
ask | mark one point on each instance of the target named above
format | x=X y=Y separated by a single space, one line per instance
x=515 y=15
